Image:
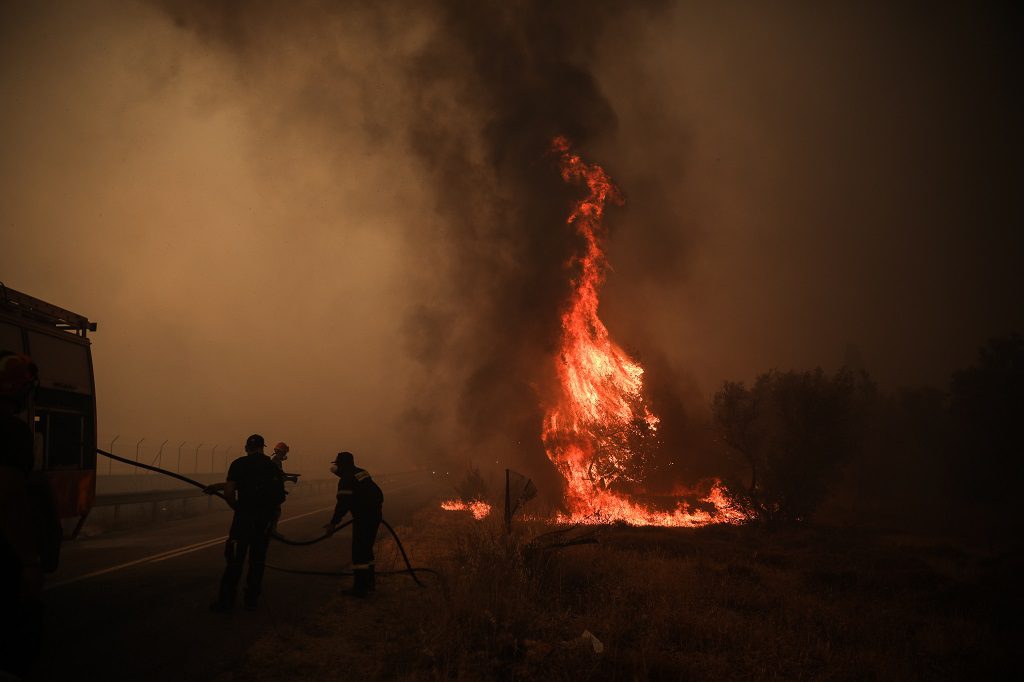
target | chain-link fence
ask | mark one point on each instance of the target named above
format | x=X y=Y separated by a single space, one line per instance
x=206 y=461
x=128 y=495
x=181 y=456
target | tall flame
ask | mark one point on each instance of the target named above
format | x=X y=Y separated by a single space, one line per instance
x=599 y=428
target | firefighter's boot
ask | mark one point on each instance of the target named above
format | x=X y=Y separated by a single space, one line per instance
x=371 y=579
x=360 y=579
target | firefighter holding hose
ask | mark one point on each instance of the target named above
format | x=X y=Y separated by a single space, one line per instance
x=358 y=494
x=255 y=490
x=278 y=458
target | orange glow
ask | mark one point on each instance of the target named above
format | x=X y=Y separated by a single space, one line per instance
x=598 y=427
x=479 y=508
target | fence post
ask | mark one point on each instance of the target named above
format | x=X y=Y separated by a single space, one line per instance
x=110 y=462
x=197 y=456
x=160 y=454
x=508 y=508
x=137 y=450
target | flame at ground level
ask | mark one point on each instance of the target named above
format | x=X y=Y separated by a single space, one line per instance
x=605 y=506
x=479 y=508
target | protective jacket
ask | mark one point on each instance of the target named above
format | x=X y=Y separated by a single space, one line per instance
x=357 y=493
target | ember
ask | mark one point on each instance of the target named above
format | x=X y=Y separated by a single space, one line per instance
x=479 y=508
x=598 y=428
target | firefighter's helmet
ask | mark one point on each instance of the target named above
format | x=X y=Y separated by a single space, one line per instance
x=255 y=442
x=281 y=447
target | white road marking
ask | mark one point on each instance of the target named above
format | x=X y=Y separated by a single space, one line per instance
x=127 y=564
x=198 y=546
x=169 y=554
x=188 y=549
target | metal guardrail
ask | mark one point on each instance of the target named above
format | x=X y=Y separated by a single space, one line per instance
x=127 y=509
x=121 y=509
x=115 y=499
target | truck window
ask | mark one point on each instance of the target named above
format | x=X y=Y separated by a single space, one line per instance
x=63 y=364
x=65 y=429
x=10 y=338
x=63 y=438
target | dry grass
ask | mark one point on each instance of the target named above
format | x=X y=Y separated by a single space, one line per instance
x=714 y=603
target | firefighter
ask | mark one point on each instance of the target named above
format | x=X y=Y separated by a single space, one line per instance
x=255 y=490
x=357 y=493
x=278 y=458
x=21 y=557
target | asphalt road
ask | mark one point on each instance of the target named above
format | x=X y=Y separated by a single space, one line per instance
x=135 y=605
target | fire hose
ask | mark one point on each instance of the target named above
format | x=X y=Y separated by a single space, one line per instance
x=280 y=538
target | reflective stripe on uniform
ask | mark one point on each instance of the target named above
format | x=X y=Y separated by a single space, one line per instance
x=345 y=492
x=361 y=567
x=362 y=475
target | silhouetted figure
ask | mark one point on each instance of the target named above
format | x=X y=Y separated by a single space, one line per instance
x=21 y=577
x=255 y=490
x=357 y=493
x=279 y=457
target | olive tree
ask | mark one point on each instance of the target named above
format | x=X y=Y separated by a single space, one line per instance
x=793 y=431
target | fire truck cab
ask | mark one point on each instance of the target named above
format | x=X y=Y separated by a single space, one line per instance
x=62 y=411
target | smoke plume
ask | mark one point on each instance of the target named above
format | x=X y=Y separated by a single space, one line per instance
x=336 y=222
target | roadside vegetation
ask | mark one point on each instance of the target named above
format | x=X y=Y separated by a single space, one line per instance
x=795 y=443
x=884 y=544
x=721 y=602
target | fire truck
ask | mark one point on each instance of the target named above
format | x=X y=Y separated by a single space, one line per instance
x=62 y=411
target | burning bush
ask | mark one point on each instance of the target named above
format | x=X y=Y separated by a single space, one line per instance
x=794 y=430
x=472 y=487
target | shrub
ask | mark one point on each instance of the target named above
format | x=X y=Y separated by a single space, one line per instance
x=987 y=409
x=472 y=486
x=794 y=431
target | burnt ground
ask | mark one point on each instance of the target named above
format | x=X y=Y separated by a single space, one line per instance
x=811 y=602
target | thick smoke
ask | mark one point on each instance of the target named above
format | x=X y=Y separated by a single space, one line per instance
x=336 y=222
x=521 y=72
x=488 y=89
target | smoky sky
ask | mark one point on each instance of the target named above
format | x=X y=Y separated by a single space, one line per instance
x=338 y=224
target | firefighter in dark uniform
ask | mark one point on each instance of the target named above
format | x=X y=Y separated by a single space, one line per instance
x=357 y=493
x=255 y=490
x=21 y=577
